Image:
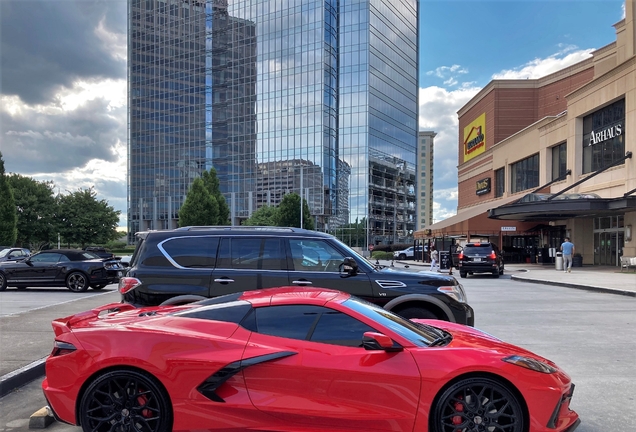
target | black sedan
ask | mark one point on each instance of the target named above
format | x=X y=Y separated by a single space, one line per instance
x=74 y=269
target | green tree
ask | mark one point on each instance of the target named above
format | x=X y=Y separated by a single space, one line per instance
x=289 y=212
x=264 y=216
x=36 y=206
x=8 y=211
x=83 y=219
x=200 y=207
x=211 y=182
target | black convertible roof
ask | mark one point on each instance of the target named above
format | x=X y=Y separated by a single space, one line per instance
x=71 y=254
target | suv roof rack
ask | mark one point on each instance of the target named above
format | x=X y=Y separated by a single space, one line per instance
x=235 y=228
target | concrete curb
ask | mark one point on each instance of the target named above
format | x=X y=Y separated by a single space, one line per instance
x=21 y=377
x=575 y=286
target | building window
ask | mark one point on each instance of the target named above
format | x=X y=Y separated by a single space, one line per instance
x=604 y=137
x=524 y=174
x=559 y=161
x=500 y=182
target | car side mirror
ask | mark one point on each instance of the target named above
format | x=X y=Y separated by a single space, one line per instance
x=373 y=341
x=349 y=266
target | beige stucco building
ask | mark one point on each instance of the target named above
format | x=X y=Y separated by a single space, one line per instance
x=543 y=159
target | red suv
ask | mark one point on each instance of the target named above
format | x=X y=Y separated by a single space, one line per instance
x=480 y=258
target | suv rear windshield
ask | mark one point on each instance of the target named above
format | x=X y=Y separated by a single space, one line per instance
x=477 y=249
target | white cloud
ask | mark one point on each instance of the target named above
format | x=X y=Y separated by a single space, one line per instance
x=538 y=68
x=449 y=74
x=116 y=44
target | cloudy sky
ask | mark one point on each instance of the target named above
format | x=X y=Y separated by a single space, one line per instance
x=63 y=78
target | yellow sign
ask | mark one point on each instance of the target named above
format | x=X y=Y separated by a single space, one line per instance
x=475 y=138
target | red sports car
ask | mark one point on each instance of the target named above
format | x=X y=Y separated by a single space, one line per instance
x=295 y=359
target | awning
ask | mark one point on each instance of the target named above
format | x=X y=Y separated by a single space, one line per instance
x=471 y=219
x=563 y=209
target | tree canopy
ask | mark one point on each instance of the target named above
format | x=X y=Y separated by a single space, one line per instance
x=211 y=182
x=8 y=212
x=264 y=216
x=289 y=212
x=200 y=207
x=82 y=219
x=36 y=207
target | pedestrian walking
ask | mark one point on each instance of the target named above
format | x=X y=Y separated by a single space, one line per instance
x=568 y=250
x=452 y=250
x=434 y=258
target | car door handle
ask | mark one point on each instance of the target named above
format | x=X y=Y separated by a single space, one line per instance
x=302 y=282
x=224 y=280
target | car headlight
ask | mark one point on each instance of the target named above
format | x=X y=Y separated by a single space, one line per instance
x=455 y=291
x=530 y=363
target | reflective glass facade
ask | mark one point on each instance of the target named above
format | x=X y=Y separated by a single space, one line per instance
x=279 y=96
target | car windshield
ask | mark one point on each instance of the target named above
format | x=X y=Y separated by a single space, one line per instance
x=421 y=335
x=477 y=249
x=90 y=255
x=4 y=253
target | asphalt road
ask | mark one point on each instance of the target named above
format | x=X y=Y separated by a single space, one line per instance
x=590 y=335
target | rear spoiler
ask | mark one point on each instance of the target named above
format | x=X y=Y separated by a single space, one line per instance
x=63 y=325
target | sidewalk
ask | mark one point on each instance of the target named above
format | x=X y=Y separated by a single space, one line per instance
x=26 y=339
x=591 y=278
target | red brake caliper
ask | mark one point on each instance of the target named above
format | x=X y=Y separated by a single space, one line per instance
x=459 y=407
x=142 y=400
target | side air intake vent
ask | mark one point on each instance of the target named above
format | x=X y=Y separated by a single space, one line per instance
x=388 y=284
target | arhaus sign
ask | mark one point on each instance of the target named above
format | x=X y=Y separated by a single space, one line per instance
x=605 y=134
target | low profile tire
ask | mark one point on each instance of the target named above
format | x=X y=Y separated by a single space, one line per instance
x=496 y=273
x=463 y=274
x=125 y=400
x=3 y=282
x=98 y=287
x=182 y=299
x=417 y=312
x=77 y=282
x=402 y=257
x=477 y=404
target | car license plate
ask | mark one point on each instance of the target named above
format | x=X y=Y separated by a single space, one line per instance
x=120 y=274
x=477 y=259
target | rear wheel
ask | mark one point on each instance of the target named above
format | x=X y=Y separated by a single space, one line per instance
x=3 y=282
x=125 y=401
x=496 y=273
x=477 y=404
x=463 y=274
x=417 y=312
x=77 y=282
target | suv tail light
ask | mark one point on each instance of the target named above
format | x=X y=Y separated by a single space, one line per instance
x=461 y=255
x=128 y=284
x=492 y=255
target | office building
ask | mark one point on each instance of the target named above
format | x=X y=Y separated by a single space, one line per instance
x=246 y=85
x=425 y=153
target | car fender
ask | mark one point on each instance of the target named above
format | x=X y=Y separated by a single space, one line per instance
x=423 y=298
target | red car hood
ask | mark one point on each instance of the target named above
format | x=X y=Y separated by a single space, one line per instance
x=470 y=337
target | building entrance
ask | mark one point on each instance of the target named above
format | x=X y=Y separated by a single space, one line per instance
x=609 y=239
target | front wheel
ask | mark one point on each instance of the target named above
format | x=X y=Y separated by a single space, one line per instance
x=125 y=400
x=402 y=257
x=477 y=404
x=3 y=282
x=417 y=312
x=77 y=282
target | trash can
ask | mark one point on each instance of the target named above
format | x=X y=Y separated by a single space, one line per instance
x=558 y=261
x=444 y=260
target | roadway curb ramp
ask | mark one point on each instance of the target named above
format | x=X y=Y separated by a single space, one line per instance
x=21 y=377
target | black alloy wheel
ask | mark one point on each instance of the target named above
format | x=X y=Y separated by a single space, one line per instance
x=477 y=405
x=3 y=282
x=77 y=282
x=125 y=401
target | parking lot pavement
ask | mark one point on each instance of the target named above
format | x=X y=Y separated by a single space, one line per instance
x=26 y=338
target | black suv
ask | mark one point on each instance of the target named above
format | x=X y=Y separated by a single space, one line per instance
x=480 y=258
x=191 y=263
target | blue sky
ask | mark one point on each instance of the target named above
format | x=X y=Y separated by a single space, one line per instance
x=63 y=78
x=464 y=44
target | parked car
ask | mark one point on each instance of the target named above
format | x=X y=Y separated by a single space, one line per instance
x=74 y=269
x=408 y=253
x=480 y=258
x=294 y=359
x=13 y=254
x=100 y=251
x=201 y=262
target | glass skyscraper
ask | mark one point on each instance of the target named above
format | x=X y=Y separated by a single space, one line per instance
x=317 y=97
